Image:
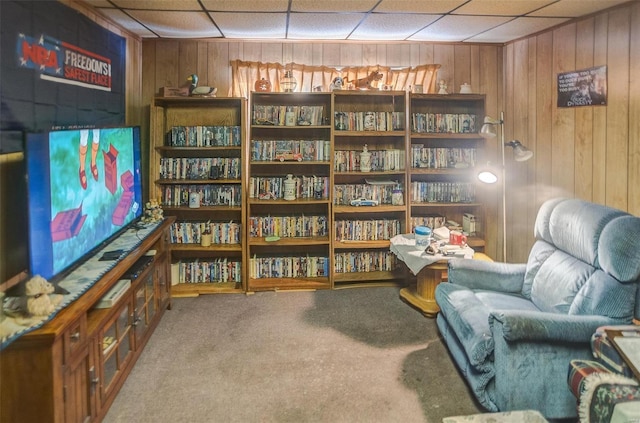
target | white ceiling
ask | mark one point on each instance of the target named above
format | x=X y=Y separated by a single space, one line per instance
x=478 y=21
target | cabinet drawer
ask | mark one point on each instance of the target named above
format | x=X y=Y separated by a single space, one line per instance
x=75 y=338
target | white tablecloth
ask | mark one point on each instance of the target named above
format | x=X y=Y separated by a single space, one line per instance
x=404 y=247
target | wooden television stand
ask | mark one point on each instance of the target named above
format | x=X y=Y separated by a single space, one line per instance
x=71 y=368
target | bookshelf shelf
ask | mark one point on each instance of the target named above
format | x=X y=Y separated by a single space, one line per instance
x=376 y=119
x=444 y=149
x=289 y=196
x=198 y=149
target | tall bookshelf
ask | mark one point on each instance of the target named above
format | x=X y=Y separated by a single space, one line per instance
x=361 y=233
x=445 y=149
x=197 y=169
x=289 y=197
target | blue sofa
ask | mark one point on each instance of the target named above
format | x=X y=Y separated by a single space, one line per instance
x=512 y=329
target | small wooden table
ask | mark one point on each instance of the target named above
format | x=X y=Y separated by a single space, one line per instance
x=423 y=295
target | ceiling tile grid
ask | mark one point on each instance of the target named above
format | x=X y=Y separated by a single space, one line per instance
x=478 y=21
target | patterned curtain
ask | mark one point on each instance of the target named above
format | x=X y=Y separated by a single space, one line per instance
x=318 y=78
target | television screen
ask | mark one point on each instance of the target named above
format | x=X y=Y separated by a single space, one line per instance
x=84 y=187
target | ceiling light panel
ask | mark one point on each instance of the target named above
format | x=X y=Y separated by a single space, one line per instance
x=458 y=28
x=567 y=8
x=128 y=23
x=332 y=5
x=184 y=5
x=385 y=26
x=177 y=24
x=326 y=26
x=419 y=6
x=246 y=6
x=251 y=25
x=517 y=28
x=501 y=7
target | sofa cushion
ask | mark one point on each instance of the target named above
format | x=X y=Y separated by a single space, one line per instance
x=619 y=249
x=468 y=318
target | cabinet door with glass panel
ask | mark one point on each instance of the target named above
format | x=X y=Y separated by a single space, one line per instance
x=288 y=202
x=445 y=152
x=369 y=185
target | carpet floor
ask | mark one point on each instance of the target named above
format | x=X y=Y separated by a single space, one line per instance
x=354 y=355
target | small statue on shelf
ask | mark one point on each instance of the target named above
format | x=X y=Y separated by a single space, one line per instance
x=443 y=87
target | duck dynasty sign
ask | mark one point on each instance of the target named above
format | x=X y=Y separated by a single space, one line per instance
x=586 y=87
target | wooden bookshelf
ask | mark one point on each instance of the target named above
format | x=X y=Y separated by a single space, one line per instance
x=198 y=146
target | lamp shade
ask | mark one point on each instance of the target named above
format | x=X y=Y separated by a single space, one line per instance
x=488 y=129
x=520 y=152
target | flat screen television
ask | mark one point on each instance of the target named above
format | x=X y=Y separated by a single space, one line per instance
x=84 y=187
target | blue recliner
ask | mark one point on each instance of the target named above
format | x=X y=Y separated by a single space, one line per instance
x=512 y=329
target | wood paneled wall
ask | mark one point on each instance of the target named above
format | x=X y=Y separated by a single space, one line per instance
x=168 y=63
x=592 y=152
x=588 y=152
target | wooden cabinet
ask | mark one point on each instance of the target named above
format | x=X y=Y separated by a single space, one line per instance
x=369 y=139
x=197 y=173
x=289 y=195
x=445 y=150
x=71 y=369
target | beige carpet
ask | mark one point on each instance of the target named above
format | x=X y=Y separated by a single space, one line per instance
x=355 y=355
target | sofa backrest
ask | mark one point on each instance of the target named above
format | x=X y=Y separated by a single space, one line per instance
x=586 y=260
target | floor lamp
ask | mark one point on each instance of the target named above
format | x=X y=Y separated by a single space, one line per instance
x=520 y=154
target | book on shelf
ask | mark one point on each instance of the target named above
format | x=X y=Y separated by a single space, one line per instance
x=288 y=226
x=459 y=123
x=442 y=192
x=344 y=193
x=366 y=230
x=210 y=195
x=204 y=136
x=369 y=121
x=365 y=261
x=381 y=160
x=309 y=150
x=442 y=158
x=190 y=232
x=177 y=168
x=220 y=270
x=275 y=115
x=288 y=267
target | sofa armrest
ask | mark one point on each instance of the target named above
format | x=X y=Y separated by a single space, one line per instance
x=489 y=275
x=541 y=326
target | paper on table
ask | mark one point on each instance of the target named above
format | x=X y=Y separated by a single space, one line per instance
x=630 y=346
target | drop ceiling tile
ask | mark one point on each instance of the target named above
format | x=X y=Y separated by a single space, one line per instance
x=177 y=24
x=567 y=8
x=128 y=23
x=501 y=7
x=184 y=5
x=332 y=5
x=458 y=28
x=332 y=26
x=419 y=6
x=246 y=6
x=517 y=28
x=251 y=25
x=386 y=26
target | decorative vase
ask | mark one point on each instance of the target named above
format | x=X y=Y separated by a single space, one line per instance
x=288 y=83
x=365 y=160
x=289 y=188
x=262 y=86
x=290 y=117
x=205 y=240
